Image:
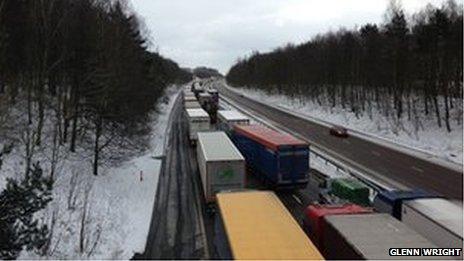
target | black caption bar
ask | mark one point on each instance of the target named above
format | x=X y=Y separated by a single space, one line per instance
x=425 y=251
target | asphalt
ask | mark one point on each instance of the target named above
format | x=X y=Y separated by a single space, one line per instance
x=177 y=230
x=181 y=227
x=378 y=161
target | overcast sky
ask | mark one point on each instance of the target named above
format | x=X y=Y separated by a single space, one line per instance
x=215 y=33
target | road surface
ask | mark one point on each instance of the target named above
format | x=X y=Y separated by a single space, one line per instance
x=177 y=230
x=180 y=227
x=379 y=161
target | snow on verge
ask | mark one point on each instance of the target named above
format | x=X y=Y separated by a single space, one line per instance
x=119 y=207
x=431 y=139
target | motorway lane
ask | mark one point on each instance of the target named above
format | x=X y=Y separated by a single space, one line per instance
x=177 y=230
x=180 y=227
x=395 y=165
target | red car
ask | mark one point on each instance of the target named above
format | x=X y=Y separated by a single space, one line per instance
x=339 y=131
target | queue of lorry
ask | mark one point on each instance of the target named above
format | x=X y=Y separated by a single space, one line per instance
x=355 y=227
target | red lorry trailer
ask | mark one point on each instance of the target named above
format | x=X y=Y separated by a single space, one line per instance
x=314 y=224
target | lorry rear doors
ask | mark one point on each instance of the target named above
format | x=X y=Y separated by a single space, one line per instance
x=293 y=165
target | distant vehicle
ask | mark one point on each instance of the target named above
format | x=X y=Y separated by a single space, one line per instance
x=215 y=94
x=339 y=131
x=204 y=99
x=189 y=98
x=192 y=105
x=208 y=103
x=255 y=225
x=197 y=88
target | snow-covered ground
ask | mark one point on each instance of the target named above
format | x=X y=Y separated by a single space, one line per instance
x=118 y=202
x=324 y=166
x=430 y=139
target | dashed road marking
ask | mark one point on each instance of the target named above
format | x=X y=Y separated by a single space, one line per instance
x=376 y=153
x=417 y=169
x=297 y=199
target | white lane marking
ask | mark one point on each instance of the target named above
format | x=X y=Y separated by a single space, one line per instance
x=297 y=199
x=417 y=169
x=346 y=141
x=369 y=175
x=375 y=153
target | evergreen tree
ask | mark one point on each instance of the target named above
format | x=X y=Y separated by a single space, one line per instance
x=18 y=203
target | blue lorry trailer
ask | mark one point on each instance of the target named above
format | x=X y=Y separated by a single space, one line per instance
x=281 y=160
x=390 y=201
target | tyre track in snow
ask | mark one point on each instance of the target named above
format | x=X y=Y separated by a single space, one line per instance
x=177 y=229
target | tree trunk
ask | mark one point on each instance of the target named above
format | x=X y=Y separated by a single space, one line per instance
x=448 y=127
x=41 y=114
x=74 y=130
x=426 y=104
x=343 y=93
x=96 y=149
x=437 y=110
x=29 y=103
x=52 y=86
x=59 y=116
x=65 y=118
x=408 y=99
x=399 y=107
x=2 y=86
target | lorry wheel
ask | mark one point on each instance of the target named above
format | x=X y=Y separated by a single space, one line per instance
x=210 y=210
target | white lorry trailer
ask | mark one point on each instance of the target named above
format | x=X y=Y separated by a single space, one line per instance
x=188 y=98
x=192 y=105
x=437 y=219
x=369 y=237
x=188 y=92
x=222 y=166
x=198 y=121
x=204 y=98
x=228 y=118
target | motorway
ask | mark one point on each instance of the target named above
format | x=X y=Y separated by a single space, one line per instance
x=180 y=227
x=177 y=230
x=380 y=162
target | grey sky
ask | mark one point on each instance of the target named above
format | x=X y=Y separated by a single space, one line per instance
x=215 y=33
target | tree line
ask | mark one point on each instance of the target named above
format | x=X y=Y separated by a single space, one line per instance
x=87 y=62
x=401 y=67
x=205 y=72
